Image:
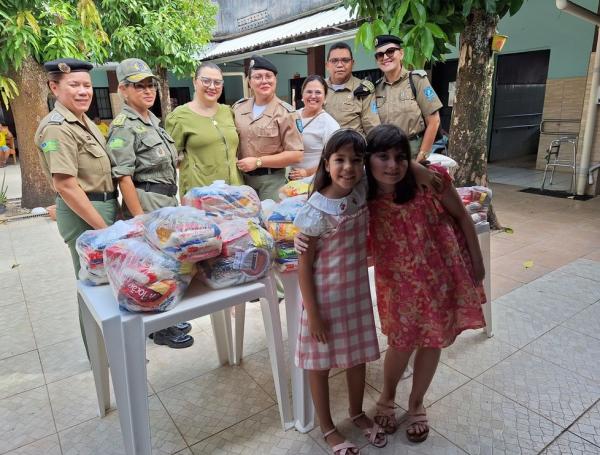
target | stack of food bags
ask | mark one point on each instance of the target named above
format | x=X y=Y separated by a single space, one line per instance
x=185 y=233
x=477 y=200
x=224 y=200
x=91 y=245
x=295 y=188
x=281 y=227
x=143 y=278
x=245 y=256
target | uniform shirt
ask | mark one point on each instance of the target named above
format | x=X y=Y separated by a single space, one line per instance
x=103 y=127
x=275 y=131
x=360 y=114
x=315 y=133
x=397 y=105
x=72 y=147
x=141 y=149
x=208 y=147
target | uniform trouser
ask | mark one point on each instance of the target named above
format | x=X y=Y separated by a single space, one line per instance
x=267 y=186
x=415 y=145
x=71 y=226
x=151 y=201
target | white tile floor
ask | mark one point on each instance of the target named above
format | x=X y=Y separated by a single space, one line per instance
x=532 y=388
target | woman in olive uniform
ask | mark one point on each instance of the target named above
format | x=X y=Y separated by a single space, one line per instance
x=205 y=135
x=269 y=131
x=144 y=161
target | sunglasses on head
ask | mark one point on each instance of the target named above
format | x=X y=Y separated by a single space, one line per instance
x=389 y=53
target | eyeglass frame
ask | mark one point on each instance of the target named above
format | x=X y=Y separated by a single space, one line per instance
x=218 y=83
x=139 y=87
x=379 y=55
x=263 y=77
x=344 y=60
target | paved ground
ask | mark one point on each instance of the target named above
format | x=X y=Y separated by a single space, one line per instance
x=532 y=388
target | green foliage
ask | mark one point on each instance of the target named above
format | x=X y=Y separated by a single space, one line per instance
x=165 y=33
x=426 y=27
x=47 y=30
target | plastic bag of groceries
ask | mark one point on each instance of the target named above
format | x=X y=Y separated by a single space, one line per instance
x=91 y=244
x=294 y=188
x=143 y=278
x=287 y=209
x=476 y=200
x=445 y=161
x=220 y=199
x=186 y=233
x=246 y=255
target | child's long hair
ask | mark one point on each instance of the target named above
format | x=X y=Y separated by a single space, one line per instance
x=383 y=138
x=336 y=141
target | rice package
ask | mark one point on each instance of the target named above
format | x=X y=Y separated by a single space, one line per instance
x=476 y=200
x=144 y=279
x=220 y=199
x=91 y=244
x=185 y=233
x=245 y=256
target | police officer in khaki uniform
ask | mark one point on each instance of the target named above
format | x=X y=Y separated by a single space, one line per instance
x=144 y=160
x=269 y=131
x=73 y=156
x=349 y=100
x=406 y=98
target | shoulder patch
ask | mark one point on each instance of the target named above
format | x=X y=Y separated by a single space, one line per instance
x=50 y=145
x=378 y=81
x=119 y=120
x=288 y=107
x=239 y=101
x=299 y=125
x=116 y=143
x=56 y=118
x=368 y=85
x=421 y=73
x=429 y=93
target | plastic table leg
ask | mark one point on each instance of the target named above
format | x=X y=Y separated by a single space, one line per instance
x=240 y=318
x=221 y=325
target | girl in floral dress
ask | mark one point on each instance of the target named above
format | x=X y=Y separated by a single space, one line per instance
x=337 y=328
x=428 y=272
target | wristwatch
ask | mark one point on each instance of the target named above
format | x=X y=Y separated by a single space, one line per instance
x=258 y=162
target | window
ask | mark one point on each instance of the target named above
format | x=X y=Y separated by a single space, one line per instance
x=100 y=106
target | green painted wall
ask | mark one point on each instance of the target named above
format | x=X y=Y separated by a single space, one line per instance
x=99 y=78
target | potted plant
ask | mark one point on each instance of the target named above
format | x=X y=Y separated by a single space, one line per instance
x=3 y=190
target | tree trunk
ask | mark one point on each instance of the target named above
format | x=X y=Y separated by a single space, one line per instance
x=468 y=144
x=165 y=97
x=28 y=110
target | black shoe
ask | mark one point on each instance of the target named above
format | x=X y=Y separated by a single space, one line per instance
x=183 y=327
x=173 y=338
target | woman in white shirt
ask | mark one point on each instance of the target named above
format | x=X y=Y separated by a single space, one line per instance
x=317 y=126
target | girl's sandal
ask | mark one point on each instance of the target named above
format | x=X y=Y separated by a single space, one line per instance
x=345 y=448
x=375 y=435
x=385 y=416
x=414 y=420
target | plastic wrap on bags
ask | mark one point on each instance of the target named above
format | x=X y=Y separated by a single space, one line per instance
x=476 y=200
x=186 y=233
x=286 y=250
x=224 y=200
x=445 y=161
x=286 y=210
x=286 y=265
x=245 y=257
x=91 y=244
x=282 y=231
x=143 y=278
x=294 y=188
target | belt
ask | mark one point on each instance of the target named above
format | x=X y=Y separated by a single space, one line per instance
x=102 y=196
x=161 y=188
x=265 y=171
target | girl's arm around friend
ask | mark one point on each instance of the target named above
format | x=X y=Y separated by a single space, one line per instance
x=453 y=204
x=317 y=326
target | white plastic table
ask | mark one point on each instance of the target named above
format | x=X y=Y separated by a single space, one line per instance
x=118 y=338
x=304 y=412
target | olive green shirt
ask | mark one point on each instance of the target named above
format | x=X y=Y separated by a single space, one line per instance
x=397 y=105
x=359 y=114
x=208 y=145
x=69 y=146
x=141 y=149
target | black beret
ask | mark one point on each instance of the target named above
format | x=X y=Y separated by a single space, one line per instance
x=67 y=65
x=382 y=40
x=260 y=63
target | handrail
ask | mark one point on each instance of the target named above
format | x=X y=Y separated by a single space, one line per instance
x=559 y=120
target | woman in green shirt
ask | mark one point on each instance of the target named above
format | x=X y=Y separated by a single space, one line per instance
x=205 y=135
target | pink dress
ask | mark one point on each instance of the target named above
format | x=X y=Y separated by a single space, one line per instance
x=342 y=283
x=426 y=295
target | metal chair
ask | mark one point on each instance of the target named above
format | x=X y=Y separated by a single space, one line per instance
x=553 y=159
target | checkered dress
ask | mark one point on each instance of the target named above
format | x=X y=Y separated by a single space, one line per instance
x=344 y=299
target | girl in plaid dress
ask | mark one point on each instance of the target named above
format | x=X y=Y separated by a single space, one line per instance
x=428 y=272
x=337 y=328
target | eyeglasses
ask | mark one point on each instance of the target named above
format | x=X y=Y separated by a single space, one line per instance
x=313 y=93
x=261 y=77
x=389 y=53
x=344 y=60
x=139 y=87
x=207 y=82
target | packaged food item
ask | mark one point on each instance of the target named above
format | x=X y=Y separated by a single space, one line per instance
x=144 y=279
x=91 y=244
x=222 y=200
x=282 y=231
x=287 y=209
x=477 y=200
x=286 y=265
x=294 y=188
x=185 y=233
x=245 y=256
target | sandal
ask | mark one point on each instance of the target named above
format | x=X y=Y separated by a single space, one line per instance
x=385 y=417
x=414 y=420
x=345 y=448
x=375 y=435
